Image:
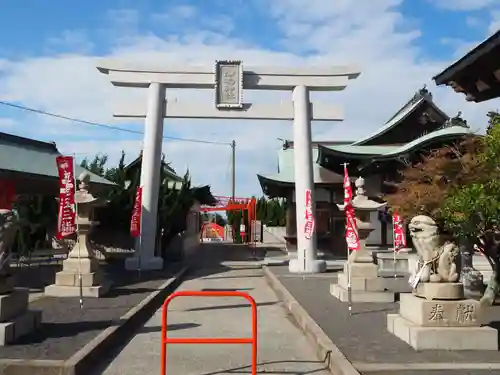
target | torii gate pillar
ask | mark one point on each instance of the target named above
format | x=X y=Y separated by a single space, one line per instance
x=228 y=80
x=146 y=258
x=306 y=261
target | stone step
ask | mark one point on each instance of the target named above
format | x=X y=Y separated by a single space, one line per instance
x=360 y=296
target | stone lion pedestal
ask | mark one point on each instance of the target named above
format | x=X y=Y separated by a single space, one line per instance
x=366 y=285
x=15 y=318
x=81 y=260
x=436 y=315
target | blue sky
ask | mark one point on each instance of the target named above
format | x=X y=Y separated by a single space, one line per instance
x=48 y=53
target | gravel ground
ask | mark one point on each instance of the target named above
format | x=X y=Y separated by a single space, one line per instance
x=66 y=328
x=363 y=337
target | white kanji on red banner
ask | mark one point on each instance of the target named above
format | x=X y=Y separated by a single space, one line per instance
x=398 y=232
x=351 y=228
x=309 y=216
x=66 y=219
x=135 y=220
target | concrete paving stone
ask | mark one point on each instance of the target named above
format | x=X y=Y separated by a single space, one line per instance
x=282 y=348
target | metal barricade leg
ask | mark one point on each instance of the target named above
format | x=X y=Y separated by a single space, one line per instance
x=202 y=340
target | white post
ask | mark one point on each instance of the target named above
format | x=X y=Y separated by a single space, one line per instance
x=306 y=261
x=150 y=181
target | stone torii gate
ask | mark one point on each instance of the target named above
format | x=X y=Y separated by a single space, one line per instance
x=228 y=80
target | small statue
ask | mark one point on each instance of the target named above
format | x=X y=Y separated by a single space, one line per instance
x=437 y=263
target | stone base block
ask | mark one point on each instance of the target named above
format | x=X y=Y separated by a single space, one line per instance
x=19 y=326
x=83 y=265
x=393 y=263
x=368 y=270
x=65 y=278
x=13 y=304
x=445 y=338
x=55 y=290
x=6 y=284
x=145 y=264
x=428 y=313
x=440 y=291
x=361 y=296
x=363 y=284
x=312 y=266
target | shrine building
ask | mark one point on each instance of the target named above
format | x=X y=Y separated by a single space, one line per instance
x=418 y=127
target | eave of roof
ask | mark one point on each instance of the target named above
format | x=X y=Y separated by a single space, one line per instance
x=170 y=172
x=468 y=59
x=35 y=158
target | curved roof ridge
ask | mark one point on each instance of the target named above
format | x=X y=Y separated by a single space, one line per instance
x=389 y=151
x=454 y=131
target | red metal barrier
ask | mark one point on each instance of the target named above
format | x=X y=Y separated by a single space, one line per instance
x=208 y=340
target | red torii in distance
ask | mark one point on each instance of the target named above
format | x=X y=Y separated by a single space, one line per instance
x=236 y=204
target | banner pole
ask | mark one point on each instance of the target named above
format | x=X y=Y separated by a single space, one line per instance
x=348 y=268
x=349 y=289
x=80 y=282
x=394 y=246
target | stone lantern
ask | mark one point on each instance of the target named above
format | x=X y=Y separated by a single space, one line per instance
x=366 y=285
x=81 y=262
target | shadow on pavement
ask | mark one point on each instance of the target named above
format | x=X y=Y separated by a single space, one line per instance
x=222 y=307
x=170 y=327
x=322 y=366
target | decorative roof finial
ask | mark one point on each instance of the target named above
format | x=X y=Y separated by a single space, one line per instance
x=459 y=121
x=456 y=121
x=423 y=92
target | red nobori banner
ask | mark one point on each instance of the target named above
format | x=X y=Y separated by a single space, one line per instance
x=398 y=232
x=7 y=194
x=66 y=220
x=135 y=221
x=309 y=216
x=351 y=228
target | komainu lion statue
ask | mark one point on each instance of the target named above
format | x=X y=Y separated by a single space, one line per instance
x=437 y=263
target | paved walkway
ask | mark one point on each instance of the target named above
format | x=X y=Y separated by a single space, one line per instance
x=282 y=347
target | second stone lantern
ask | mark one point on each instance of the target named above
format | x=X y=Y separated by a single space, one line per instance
x=365 y=284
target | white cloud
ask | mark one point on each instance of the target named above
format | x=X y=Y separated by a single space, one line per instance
x=371 y=34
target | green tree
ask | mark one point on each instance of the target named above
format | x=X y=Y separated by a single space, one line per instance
x=261 y=209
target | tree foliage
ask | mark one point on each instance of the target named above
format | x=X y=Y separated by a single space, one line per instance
x=175 y=199
x=272 y=212
x=424 y=186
